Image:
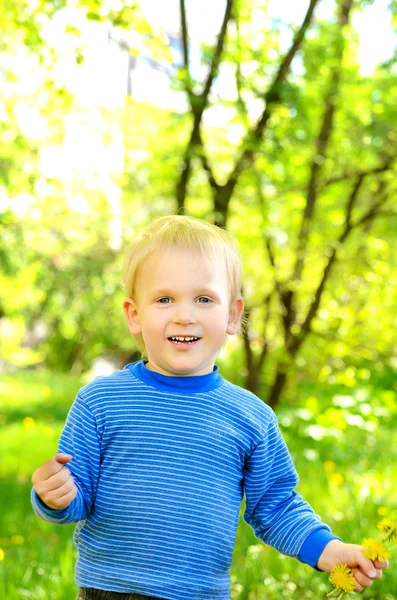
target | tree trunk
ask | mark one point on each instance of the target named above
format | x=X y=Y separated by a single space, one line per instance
x=252 y=381
x=277 y=389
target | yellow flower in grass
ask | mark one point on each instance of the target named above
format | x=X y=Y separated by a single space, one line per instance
x=374 y=550
x=342 y=579
x=389 y=529
x=17 y=539
x=28 y=423
x=329 y=465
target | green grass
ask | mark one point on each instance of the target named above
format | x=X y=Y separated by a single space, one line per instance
x=342 y=439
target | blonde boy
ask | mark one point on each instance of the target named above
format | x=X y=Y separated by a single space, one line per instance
x=161 y=453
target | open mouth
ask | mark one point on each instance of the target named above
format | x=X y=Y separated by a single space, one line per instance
x=184 y=342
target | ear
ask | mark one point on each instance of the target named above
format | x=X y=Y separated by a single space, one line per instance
x=235 y=313
x=131 y=314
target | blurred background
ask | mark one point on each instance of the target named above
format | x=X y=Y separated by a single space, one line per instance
x=271 y=118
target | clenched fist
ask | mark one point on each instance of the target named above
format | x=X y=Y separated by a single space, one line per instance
x=54 y=483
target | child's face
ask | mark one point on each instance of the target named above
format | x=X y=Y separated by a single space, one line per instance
x=181 y=294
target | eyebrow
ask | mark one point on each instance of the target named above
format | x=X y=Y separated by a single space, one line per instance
x=166 y=292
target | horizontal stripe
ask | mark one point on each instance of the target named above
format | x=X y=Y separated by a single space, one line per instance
x=161 y=471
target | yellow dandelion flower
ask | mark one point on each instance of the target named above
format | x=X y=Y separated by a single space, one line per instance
x=389 y=529
x=1 y=554
x=342 y=579
x=329 y=465
x=28 y=423
x=337 y=479
x=17 y=539
x=374 y=550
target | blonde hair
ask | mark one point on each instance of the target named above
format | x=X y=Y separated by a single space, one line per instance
x=187 y=233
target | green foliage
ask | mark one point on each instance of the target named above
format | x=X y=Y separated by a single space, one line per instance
x=60 y=299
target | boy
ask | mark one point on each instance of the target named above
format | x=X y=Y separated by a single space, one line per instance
x=160 y=453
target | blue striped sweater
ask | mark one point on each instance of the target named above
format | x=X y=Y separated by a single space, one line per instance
x=161 y=465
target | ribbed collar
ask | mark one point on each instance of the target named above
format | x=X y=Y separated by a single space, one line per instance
x=182 y=385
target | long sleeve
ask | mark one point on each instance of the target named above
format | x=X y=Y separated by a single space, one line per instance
x=81 y=439
x=278 y=515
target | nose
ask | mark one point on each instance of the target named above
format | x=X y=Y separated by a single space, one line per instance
x=184 y=314
x=184 y=320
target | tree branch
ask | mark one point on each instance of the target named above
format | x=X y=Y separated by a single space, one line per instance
x=387 y=213
x=321 y=143
x=218 y=51
x=240 y=101
x=374 y=210
x=265 y=346
x=185 y=38
x=374 y=171
x=252 y=138
x=284 y=294
x=185 y=44
x=206 y=165
x=352 y=200
x=272 y=97
x=332 y=253
x=198 y=105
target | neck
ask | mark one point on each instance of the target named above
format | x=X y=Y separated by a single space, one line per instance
x=176 y=384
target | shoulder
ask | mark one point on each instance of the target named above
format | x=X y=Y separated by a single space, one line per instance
x=252 y=409
x=248 y=400
x=105 y=389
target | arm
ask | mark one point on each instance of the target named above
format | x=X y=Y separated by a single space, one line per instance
x=80 y=438
x=278 y=515
x=281 y=518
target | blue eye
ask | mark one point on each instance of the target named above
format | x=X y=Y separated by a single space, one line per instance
x=201 y=298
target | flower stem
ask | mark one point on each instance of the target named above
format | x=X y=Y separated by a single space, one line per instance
x=336 y=591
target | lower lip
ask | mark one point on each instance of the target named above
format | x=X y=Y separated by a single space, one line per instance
x=183 y=345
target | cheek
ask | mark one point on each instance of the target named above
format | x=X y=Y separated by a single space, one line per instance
x=155 y=320
x=217 y=321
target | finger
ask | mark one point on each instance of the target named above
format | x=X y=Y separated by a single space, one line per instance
x=358 y=587
x=381 y=564
x=63 y=458
x=43 y=488
x=56 y=481
x=61 y=491
x=362 y=581
x=366 y=566
x=52 y=466
x=63 y=501
x=50 y=488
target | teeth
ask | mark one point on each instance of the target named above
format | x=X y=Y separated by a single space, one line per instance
x=184 y=339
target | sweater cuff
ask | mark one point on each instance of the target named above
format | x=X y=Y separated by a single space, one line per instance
x=42 y=509
x=313 y=546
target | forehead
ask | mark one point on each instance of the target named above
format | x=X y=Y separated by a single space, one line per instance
x=181 y=268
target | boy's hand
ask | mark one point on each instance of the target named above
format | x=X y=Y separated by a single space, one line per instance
x=364 y=570
x=54 y=483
